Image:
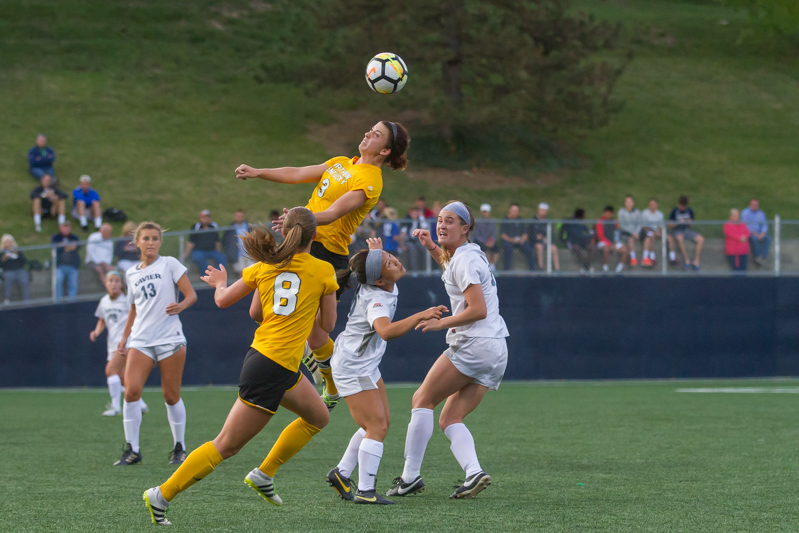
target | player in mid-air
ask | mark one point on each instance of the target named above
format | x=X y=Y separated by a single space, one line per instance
x=294 y=288
x=474 y=362
x=347 y=189
x=112 y=313
x=358 y=352
x=156 y=337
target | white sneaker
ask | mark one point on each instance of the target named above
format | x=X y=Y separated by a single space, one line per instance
x=604 y=268
x=619 y=267
x=111 y=411
x=38 y=228
x=157 y=506
x=263 y=485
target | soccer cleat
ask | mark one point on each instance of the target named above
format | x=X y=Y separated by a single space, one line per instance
x=110 y=411
x=343 y=485
x=473 y=486
x=177 y=455
x=129 y=457
x=264 y=487
x=400 y=488
x=330 y=400
x=144 y=409
x=157 y=506
x=633 y=262
x=310 y=363
x=371 y=496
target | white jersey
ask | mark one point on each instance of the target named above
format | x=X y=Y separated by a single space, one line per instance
x=151 y=290
x=115 y=315
x=469 y=266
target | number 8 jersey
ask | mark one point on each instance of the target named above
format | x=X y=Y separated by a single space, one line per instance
x=290 y=299
x=151 y=290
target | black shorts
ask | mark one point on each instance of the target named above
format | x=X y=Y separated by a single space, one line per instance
x=338 y=261
x=263 y=382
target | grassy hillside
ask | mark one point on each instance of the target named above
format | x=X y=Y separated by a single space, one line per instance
x=158 y=102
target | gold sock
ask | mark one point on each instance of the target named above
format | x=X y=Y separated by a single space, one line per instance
x=324 y=354
x=197 y=465
x=294 y=437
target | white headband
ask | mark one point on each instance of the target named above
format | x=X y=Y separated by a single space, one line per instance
x=459 y=209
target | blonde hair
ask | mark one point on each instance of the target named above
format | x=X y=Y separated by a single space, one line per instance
x=299 y=227
x=146 y=225
x=128 y=228
x=445 y=255
x=8 y=237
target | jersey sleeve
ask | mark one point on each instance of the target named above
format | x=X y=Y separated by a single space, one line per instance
x=177 y=269
x=329 y=282
x=377 y=306
x=369 y=181
x=467 y=272
x=250 y=275
x=99 y=313
x=339 y=159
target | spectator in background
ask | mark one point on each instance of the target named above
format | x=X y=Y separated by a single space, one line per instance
x=274 y=216
x=652 y=221
x=86 y=200
x=41 y=159
x=47 y=201
x=630 y=227
x=514 y=235
x=12 y=261
x=100 y=252
x=67 y=261
x=606 y=240
x=413 y=246
x=206 y=245
x=126 y=251
x=436 y=209
x=390 y=231
x=736 y=241
x=538 y=236
x=240 y=228
x=758 y=231
x=362 y=232
x=421 y=206
x=684 y=216
x=376 y=214
x=485 y=236
x=579 y=239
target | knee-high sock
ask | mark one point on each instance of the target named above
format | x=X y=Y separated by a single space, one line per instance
x=197 y=465
x=350 y=457
x=131 y=421
x=294 y=437
x=323 y=355
x=115 y=390
x=463 y=448
x=177 y=422
x=420 y=429
x=369 y=456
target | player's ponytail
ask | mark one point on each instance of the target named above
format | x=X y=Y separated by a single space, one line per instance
x=357 y=271
x=445 y=255
x=398 y=144
x=299 y=228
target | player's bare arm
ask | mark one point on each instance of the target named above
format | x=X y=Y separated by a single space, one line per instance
x=189 y=297
x=309 y=174
x=475 y=310
x=391 y=330
x=348 y=203
x=427 y=241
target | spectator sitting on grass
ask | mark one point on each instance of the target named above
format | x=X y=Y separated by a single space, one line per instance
x=684 y=216
x=12 y=261
x=579 y=239
x=755 y=220
x=736 y=241
x=86 y=200
x=126 y=251
x=607 y=242
x=630 y=227
x=206 y=245
x=485 y=236
x=514 y=235
x=651 y=229
x=100 y=252
x=41 y=159
x=47 y=201
x=67 y=261
x=538 y=236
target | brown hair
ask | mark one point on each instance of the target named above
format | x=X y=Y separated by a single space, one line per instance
x=146 y=225
x=299 y=227
x=357 y=268
x=397 y=159
x=445 y=255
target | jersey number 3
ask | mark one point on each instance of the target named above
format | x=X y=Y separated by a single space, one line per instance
x=287 y=286
x=323 y=187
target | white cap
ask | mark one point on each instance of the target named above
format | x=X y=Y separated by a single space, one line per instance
x=85 y=177
x=543 y=205
x=205 y=212
x=485 y=207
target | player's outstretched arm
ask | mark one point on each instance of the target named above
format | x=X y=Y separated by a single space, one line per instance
x=309 y=174
x=374 y=243
x=225 y=296
x=427 y=241
x=391 y=330
x=475 y=310
x=347 y=203
x=98 y=329
x=189 y=297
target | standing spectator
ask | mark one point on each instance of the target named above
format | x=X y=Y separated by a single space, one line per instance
x=100 y=252
x=579 y=239
x=274 y=216
x=67 y=261
x=421 y=206
x=651 y=229
x=390 y=231
x=606 y=240
x=538 y=236
x=126 y=251
x=41 y=159
x=86 y=200
x=736 y=241
x=684 y=216
x=514 y=235
x=436 y=209
x=758 y=231
x=416 y=252
x=47 y=200
x=630 y=227
x=485 y=236
x=362 y=232
x=241 y=228
x=205 y=245
x=12 y=261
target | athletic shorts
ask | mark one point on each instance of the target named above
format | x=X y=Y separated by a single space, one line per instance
x=111 y=354
x=626 y=235
x=338 y=261
x=481 y=358
x=688 y=234
x=263 y=382
x=647 y=233
x=348 y=385
x=159 y=352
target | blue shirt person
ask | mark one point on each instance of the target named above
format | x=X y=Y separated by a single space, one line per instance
x=40 y=159
x=86 y=200
x=755 y=220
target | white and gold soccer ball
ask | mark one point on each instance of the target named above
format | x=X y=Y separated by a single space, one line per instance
x=386 y=73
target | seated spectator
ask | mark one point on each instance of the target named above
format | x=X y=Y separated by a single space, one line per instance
x=376 y=215
x=47 y=201
x=421 y=206
x=607 y=241
x=13 y=262
x=241 y=228
x=630 y=227
x=485 y=236
x=514 y=236
x=413 y=246
x=736 y=241
x=538 y=236
x=86 y=200
x=126 y=251
x=100 y=252
x=206 y=245
x=40 y=159
x=651 y=229
x=390 y=232
x=579 y=239
x=758 y=231
x=684 y=216
x=67 y=261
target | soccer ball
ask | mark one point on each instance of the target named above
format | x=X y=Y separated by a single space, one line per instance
x=386 y=73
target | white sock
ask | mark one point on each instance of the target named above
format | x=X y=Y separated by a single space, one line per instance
x=98 y=221
x=177 y=421
x=83 y=221
x=632 y=255
x=37 y=219
x=115 y=390
x=420 y=429
x=131 y=421
x=672 y=256
x=463 y=448
x=350 y=457
x=369 y=456
x=62 y=219
x=141 y=401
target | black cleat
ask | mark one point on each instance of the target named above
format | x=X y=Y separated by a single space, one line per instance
x=343 y=485
x=400 y=488
x=129 y=457
x=371 y=496
x=177 y=455
x=472 y=486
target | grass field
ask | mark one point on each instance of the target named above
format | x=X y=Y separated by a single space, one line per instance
x=609 y=456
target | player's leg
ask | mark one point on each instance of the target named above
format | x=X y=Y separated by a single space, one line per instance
x=137 y=369
x=321 y=344
x=171 y=368
x=114 y=370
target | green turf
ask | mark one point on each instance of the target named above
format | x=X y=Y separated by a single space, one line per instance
x=610 y=457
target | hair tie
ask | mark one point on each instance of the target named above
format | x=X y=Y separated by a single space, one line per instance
x=459 y=209
x=374 y=266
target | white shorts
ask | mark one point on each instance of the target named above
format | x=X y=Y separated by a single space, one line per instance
x=111 y=354
x=481 y=358
x=614 y=246
x=159 y=352
x=348 y=385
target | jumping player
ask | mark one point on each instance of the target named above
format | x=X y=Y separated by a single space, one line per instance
x=347 y=190
x=293 y=287
x=474 y=362
x=156 y=337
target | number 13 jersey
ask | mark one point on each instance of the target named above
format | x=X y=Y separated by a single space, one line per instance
x=151 y=290
x=290 y=299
